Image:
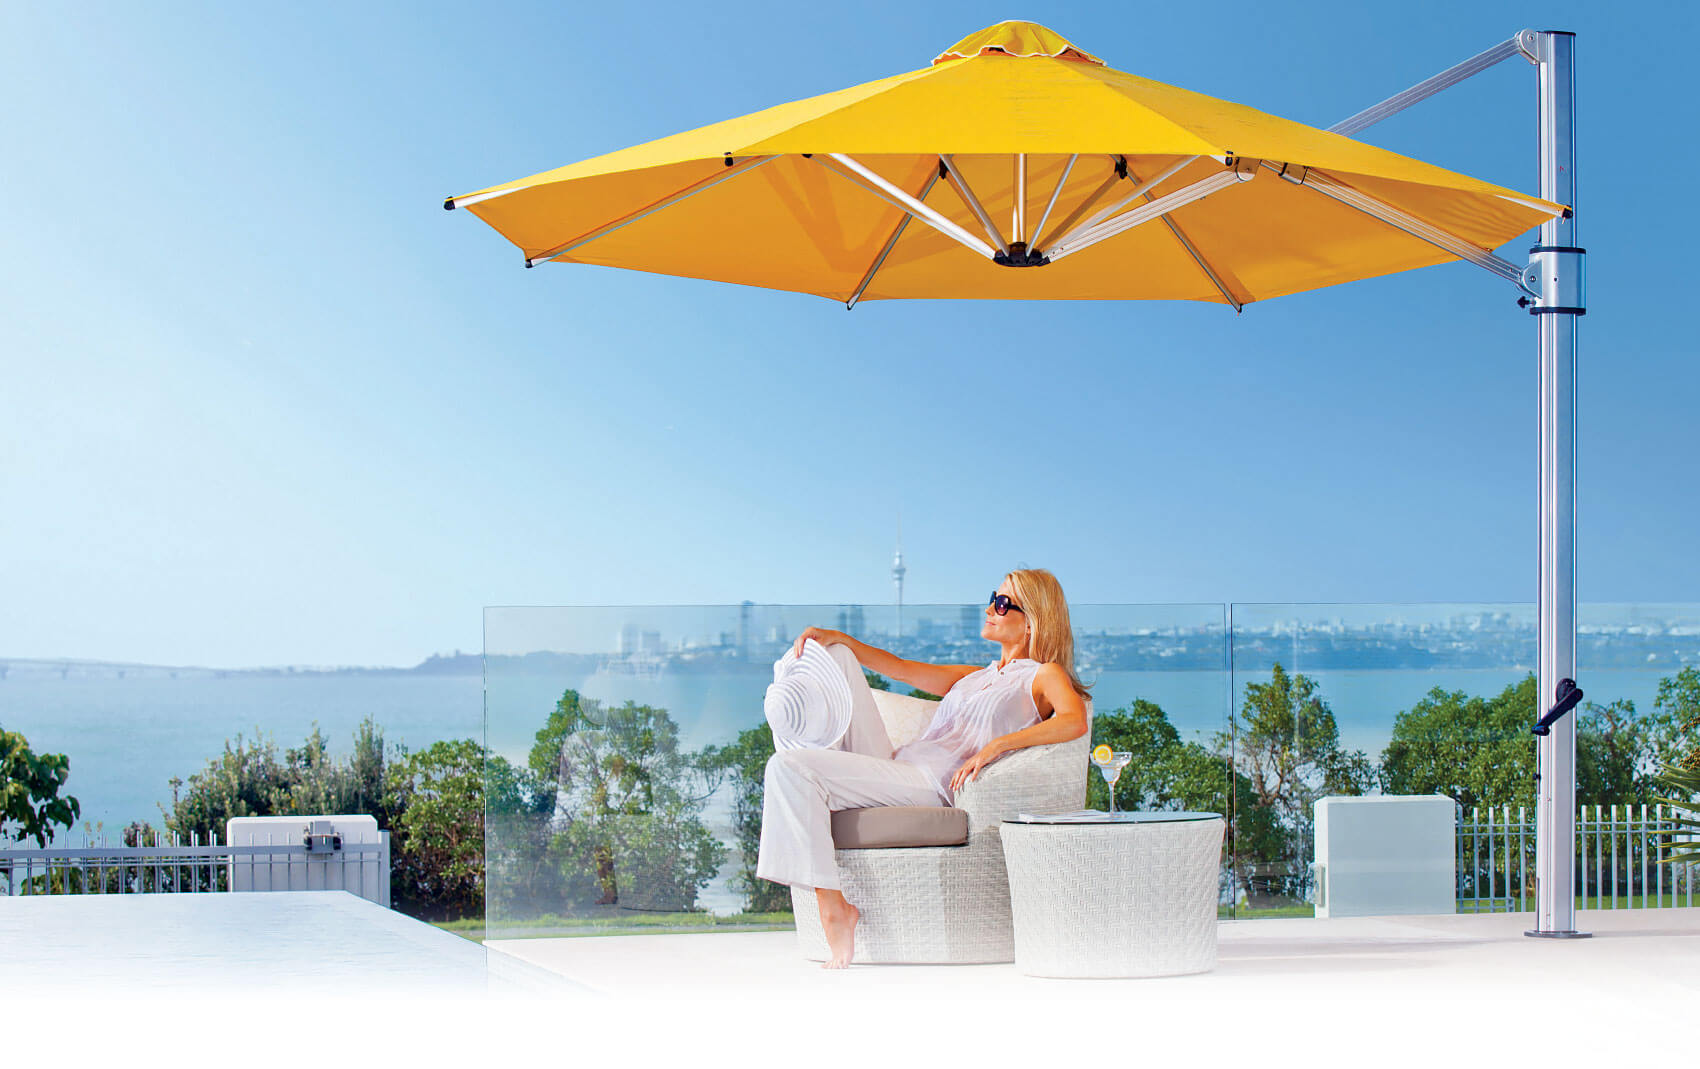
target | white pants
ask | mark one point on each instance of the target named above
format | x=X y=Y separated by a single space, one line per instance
x=803 y=788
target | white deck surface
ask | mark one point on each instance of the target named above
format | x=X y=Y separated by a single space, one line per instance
x=1644 y=956
x=327 y=943
x=1386 y=991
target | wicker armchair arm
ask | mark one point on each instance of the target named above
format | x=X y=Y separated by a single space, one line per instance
x=1037 y=779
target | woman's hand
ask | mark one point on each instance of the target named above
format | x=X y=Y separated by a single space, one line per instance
x=821 y=635
x=971 y=769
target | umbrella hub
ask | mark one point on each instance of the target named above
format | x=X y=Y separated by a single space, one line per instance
x=1024 y=40
x=1018 y=256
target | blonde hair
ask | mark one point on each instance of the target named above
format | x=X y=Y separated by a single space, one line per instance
x=1052 y=637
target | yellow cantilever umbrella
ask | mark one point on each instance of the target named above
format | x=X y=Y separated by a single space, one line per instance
x=1016 y=166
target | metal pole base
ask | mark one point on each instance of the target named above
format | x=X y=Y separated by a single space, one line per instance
x=1536 y=934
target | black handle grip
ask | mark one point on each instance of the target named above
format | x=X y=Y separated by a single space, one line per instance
x=1569 y=694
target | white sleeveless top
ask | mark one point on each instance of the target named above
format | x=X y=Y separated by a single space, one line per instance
x=982 y=706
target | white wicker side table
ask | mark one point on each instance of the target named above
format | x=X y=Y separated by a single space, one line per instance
x=1133 y=894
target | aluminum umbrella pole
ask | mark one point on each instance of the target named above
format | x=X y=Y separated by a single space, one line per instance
x=1555 y=267
x=1555 y=277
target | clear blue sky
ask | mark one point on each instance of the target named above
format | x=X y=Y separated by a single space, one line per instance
x=264 y=402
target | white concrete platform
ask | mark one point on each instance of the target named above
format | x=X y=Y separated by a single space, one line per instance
x=282 y=944
x=1649 y=956
x=1385 y=991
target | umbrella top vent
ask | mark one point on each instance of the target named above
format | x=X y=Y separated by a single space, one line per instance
x=1023 y=40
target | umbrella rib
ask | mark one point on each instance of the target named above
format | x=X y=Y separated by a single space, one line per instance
x=1198 y=258
x=1068 y=169
x=890 y=243
x=1085 y=205
x=1155 y=209
x=960 y=184
x=1341 y=193
x=734 y=169
x=1140 y=190
x=857 y=174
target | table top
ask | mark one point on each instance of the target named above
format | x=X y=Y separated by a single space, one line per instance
x=1095 y=818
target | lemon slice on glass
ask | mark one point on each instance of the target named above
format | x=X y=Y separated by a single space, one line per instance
x=1101 y=755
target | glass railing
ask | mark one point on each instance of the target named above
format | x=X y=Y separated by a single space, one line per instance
x=629 y=744
x=637 y=739
x=1335 y=701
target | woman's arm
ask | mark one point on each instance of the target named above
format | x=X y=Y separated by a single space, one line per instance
x=936 y=678
x=1064 y=713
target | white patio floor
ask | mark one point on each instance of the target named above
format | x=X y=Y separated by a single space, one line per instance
x=1647 y=956
x=254 y=946
x=1399 y=990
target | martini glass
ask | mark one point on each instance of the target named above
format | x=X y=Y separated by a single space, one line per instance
x=1112 y=771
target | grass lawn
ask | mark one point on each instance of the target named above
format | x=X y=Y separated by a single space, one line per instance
x=623 y=922
x=1667 y=901
x=1246 y=913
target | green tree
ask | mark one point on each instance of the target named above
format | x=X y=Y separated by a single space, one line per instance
x=318 y=783
x=521 y=877
x=437 y=849
x=1480 y=752
x=627 y=804
x=1142 y=729
x=1287 y=745
x=1615 y=755
x=246 y=780
x=251 y=779
x=746 y=762
x=1676 y=733
x=1167 y=773
x=1477 y=751
x=30 y=802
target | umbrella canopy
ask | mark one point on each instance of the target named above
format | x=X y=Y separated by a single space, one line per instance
x=1016 y=167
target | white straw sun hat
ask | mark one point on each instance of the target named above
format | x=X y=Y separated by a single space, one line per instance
x=808 y=704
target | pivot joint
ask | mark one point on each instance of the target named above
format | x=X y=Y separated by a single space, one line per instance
x=1556 y=276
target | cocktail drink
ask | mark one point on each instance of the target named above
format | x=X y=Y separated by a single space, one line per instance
x=1110 y=764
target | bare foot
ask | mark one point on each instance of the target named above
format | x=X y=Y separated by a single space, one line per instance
x=838 y=917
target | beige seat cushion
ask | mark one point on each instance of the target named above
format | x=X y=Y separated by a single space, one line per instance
x=899 y=825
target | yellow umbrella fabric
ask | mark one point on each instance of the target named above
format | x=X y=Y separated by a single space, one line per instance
x=820 y=195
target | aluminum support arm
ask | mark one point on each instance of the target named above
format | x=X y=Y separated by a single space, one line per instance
x=1336 y=190
x=1524 y=44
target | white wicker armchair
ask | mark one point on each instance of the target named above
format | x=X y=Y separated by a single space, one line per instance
x=947 y=904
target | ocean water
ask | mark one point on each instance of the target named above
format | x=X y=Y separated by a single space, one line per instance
x=127 y=738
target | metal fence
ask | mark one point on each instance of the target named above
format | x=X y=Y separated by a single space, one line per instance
x=160 y=864
x=1618 y=862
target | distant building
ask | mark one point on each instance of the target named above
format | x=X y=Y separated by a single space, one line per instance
x=898 y=571
x=970 y=621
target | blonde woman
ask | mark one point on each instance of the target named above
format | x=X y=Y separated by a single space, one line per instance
x=1029 y=696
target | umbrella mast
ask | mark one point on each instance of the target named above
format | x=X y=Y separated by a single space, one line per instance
x=1554 y=276
x=1558 y=261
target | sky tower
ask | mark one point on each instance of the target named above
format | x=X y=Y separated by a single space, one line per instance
x=897 y=573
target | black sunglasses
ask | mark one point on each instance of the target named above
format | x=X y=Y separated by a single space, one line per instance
x=1001 y=604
